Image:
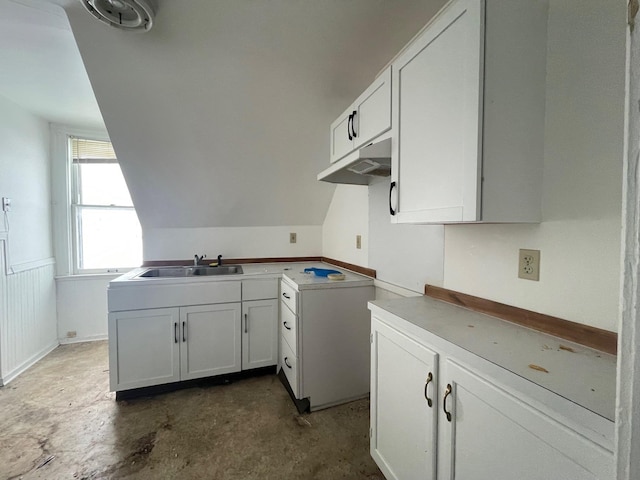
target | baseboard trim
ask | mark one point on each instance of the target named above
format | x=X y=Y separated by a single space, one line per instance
x=90 y=338
x=8 y=377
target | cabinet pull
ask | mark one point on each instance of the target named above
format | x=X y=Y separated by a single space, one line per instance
x=286 y=326
x=184 y=331
x=349 y=127
x=426 y=386
x=447 y=392
x=286 y=296
x=391 y=187
x=175 y=332
x=246 y=324
x=287 y=363
x=353 y=123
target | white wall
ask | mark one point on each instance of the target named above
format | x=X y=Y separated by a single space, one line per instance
x=405 y=255
x=346 y=218
x=25 y=178
x=27 y=287
x=579 y=237
x=408 y=256
x=82 y=307
x=231 y=242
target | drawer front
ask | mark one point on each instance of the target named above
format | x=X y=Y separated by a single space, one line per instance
x=288 y=327
x=289 y=296
x=259 y=289
x=290 y=366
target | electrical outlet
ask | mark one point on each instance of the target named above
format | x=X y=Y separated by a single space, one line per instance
x=358 y=242
x=293 y=237
x=6 y=204
x=529 y=264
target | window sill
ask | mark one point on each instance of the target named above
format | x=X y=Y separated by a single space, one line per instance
x=88 y=276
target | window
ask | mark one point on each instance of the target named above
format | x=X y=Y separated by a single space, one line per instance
x=106 y=231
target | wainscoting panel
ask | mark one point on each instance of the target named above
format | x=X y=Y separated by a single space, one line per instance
x=28 y=325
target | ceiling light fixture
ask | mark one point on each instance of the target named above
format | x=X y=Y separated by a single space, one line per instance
x=131 y=15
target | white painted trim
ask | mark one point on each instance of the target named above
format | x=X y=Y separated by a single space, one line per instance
x=628 y=380
x=89 y=277
x=90 y=338
x=404 y=292
x=32 y=265
x=28 y=363
x=60 y=192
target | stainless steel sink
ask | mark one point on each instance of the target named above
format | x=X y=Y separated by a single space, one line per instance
x=163 y=272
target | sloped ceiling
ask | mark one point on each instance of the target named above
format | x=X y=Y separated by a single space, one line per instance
x=220 y=114
x=41 y=69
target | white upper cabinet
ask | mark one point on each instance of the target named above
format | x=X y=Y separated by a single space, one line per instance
x=468 y=98
x=365 y=119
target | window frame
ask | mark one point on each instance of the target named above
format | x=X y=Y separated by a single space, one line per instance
x=65 y=238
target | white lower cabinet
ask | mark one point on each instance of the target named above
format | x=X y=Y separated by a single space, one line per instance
x=443 y=413
x=144 y=348
x=403 y=425
x=210 y=343
x=259 y=333
x=164 y=345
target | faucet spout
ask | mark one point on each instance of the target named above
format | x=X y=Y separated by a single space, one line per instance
x=197 y=259
x=219 y=260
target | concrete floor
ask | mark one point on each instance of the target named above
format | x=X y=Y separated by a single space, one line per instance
x=58 y=420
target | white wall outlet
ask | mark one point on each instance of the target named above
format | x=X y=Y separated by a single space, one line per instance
x=529 y=264
x=6 y=204
x=293 y=237
x=358 y=242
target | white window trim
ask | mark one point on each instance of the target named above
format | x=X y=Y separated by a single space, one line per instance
x=63 y=222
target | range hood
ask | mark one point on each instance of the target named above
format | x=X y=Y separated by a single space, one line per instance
x=361 y=166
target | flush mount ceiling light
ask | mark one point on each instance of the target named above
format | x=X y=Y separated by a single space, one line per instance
x=132 y=15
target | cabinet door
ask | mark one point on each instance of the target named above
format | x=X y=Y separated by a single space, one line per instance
x=259 y=333
x=437 y=108
x=210 y=340
x=403 y=424
x=341 y=139
x=495 y=432
x=373 y=110
x=144 y=348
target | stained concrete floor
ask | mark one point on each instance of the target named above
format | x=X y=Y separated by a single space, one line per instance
x=58 y=420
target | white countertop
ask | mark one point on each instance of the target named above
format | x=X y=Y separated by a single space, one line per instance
x=251 y=270
x=307 y=281
x=585 y=376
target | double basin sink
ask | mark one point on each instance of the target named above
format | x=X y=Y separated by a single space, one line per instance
x=168 y=272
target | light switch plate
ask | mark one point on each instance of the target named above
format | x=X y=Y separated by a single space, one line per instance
x=293 y=237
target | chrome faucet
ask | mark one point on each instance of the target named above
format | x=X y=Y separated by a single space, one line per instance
x=197 y=259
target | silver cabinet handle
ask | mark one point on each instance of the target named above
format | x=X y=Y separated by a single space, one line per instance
x=286 y=296
x=426 y=386
x=447 y=392
x=175 y=332
x=184 y=331
x=287 y=363
x=286 y=326
x=246 y=323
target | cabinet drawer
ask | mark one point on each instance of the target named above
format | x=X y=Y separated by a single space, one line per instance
x=290 y=366
x=288 y=325
x=259 y=289
x=289 y=296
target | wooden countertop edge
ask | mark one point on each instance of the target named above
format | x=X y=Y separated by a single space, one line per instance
x=599 y=339
x=240 y=261
x=369 y=272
